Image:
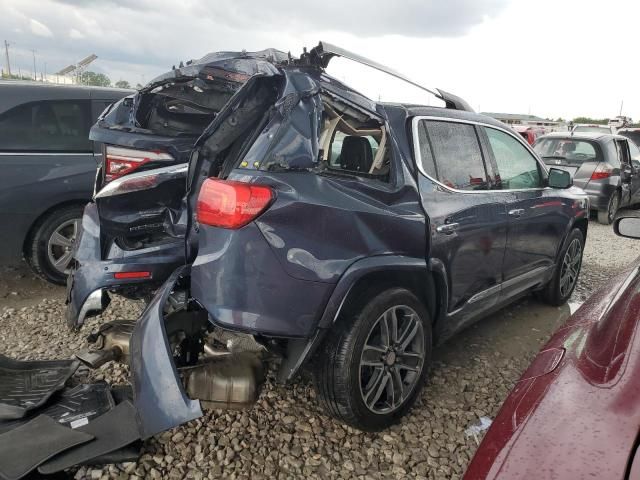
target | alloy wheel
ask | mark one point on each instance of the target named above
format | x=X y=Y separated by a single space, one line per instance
x=60 y=244
x=392 y=359
x=570 y=267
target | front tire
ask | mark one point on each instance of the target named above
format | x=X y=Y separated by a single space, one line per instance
x=51 y=247
x=565 y=276
x=371 y=370
x=605 y=217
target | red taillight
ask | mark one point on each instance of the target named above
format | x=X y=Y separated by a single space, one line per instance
x=229 y=204
x=601 y=172
x=121 y=161
x=131 y=275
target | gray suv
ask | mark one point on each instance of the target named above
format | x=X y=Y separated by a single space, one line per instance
x=606 y=167
x=48 y=170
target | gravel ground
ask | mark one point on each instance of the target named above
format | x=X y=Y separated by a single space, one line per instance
x=286 y=435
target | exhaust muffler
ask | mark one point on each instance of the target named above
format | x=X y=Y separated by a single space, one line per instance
x=225 y=381
x=112 y=342
x=224 y=378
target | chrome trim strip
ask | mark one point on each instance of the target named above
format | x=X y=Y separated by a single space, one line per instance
x=513 y=281
x=485 y=293
x=416 y=151
x=111 y=188
x=526 y=276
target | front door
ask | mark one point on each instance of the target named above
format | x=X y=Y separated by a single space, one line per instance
x=537 y=215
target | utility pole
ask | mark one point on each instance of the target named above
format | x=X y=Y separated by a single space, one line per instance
x=35 y=75
x=6 y=53
x=621 y=104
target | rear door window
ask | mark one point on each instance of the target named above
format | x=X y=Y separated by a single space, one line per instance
x=450 y=153
x=517 y=167
x=47 y=126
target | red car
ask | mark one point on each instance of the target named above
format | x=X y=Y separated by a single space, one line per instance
x=575 y=412
x=530 y=134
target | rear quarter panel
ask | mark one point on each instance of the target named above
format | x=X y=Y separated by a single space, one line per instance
x=275 y=275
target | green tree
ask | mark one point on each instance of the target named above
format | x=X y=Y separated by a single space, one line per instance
x=123 y=84
x=96 y=79
x=595 y=121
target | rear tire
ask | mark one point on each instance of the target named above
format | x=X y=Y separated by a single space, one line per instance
x=50 y=249
x=606 y=217
x=368 y=376
x=567 y=271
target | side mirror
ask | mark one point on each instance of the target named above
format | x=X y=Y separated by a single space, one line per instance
x=559 y=178
x=627 y=223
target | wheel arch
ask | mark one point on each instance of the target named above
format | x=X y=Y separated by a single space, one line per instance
x=365 y=275
x=377 y=273
x=583 y=225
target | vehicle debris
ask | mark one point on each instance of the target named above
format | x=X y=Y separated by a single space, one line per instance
x=478 y=428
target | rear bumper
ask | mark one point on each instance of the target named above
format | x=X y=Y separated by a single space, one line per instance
x=159 y=396
x=88 y=284
x=599 y=194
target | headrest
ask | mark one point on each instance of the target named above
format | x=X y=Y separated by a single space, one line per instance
x=356 y=154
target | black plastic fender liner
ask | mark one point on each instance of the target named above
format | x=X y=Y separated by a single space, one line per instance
x=158 y=394
x=26 y=385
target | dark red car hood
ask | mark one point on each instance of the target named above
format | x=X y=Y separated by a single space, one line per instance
x=575 y=413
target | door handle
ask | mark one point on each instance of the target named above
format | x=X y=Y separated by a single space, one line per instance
x=518 y=212
x=447 y=228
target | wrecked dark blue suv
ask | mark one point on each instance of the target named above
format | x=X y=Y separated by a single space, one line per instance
x=275 y=204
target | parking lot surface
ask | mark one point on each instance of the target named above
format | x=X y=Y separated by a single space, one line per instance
x=286 y=434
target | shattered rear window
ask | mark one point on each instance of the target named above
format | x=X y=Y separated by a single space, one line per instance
x=320 y=132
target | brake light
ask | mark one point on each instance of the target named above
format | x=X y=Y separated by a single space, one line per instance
x=131 y=275
x=122 y=161
x=230 y=204
x=601 y=172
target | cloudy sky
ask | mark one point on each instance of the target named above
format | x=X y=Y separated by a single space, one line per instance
x=550 y=58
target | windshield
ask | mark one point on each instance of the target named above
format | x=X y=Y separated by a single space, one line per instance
x=592 y=128
x=571 y=151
